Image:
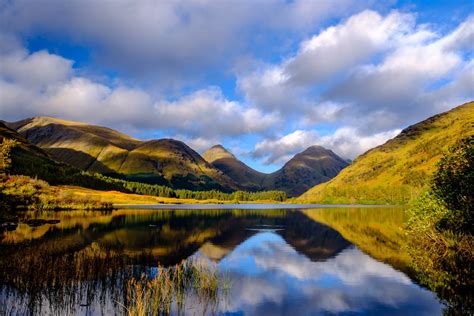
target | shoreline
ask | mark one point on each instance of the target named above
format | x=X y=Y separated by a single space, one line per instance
x=247 y=206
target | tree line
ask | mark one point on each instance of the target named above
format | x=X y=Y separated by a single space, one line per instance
x=164 y=191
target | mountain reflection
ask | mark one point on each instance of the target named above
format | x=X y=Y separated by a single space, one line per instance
x=76 y=263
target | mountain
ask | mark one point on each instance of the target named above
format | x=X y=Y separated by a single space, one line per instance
x=23 y=145
x=31 y=160
x=100 y=149
x=397 y=171
x=238 y=171
x=169 y=162
x=308 y=168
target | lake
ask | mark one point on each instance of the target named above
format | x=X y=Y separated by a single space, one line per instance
x=301 y=261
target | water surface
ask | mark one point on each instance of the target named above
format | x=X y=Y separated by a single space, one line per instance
x=279 y=261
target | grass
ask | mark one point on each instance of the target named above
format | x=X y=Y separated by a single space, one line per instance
x=116 y=197
x=22 y=192
x=156 y=295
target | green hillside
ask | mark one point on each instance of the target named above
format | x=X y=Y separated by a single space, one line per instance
x=103 y=150
x=397 y=171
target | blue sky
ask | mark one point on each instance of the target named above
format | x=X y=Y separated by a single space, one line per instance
x=264 y=78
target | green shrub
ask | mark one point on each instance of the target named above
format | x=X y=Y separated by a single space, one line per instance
x=439 y=230
x=453 y=183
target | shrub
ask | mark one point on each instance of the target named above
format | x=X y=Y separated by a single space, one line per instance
x=453 y=183
x=441 y=243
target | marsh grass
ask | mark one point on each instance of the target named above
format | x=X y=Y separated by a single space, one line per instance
x=169 y=288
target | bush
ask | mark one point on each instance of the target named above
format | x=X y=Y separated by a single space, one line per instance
x=441 y=243
x=453 y=183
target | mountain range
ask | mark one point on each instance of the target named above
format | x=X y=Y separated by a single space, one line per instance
x=312 y=166
x=169 y=162
x=397 y=171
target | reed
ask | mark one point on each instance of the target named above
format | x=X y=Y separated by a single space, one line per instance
x=168 y=289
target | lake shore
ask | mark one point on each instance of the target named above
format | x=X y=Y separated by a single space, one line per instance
x=247 y=206
x=130 y=200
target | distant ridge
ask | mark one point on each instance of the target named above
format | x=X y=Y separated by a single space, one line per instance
x=306 y=169
x=314 y=165
x=235 y=169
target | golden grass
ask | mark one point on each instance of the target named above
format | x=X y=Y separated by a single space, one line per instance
x=116 y=197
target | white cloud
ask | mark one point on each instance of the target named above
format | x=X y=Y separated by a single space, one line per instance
x=396 y=85
x=280 y=150
x=209 y=113
x=346 y=44
x=347 y=142
x=34 y=70
x=370 y=74
x=45 y=84
x=364 y=78
x=333 y=50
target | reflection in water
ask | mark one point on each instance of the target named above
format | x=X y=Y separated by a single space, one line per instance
x=351 y=282
x=279 y=261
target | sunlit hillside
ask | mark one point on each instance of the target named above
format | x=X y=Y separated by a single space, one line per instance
x=100 y=149
x=397 y=171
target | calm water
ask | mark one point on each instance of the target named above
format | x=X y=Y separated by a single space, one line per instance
x=278 y=262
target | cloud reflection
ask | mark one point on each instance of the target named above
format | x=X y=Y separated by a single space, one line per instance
x=271 y=278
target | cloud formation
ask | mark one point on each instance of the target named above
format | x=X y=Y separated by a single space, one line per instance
x=347 y=142
x=167 y=39
x=290 y=79
x=46 y=84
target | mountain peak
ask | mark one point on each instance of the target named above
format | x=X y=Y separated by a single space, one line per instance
x=217 y=152
x=315 y=149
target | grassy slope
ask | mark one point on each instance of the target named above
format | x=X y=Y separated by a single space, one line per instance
x=397 y=171
x=100 y=149
x=22 y=192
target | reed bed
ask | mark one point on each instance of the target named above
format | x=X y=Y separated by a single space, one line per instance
x=168 y=289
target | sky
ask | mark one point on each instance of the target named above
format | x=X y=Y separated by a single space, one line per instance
x=264 y=78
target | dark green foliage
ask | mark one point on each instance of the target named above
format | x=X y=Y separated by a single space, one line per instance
x=453 y=183
x=164 y=191
x=440 y=230
x=55 y=173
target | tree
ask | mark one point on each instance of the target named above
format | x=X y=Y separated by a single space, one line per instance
x=453 y=183
x=5 y=149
